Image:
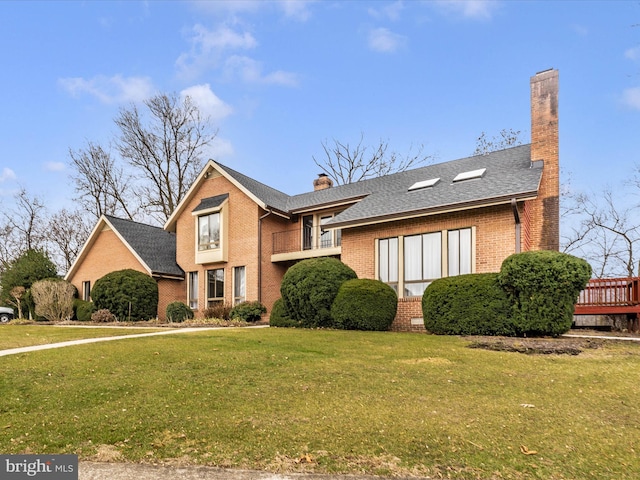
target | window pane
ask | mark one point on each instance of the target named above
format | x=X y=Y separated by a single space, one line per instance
x=454 y=253
x=383 y=260
x=203 y=229
x=415 y=289
x=215 y=284
x=413 y=258
x=465 y=251
x=239 y=286
x=193 y=290
x=393 y=260
x=432 y=255
x=209 y=231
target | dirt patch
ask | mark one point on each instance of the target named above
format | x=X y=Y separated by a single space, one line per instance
x=536 y=346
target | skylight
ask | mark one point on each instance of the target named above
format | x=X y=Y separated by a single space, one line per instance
x=469 y=175
x=424 y=184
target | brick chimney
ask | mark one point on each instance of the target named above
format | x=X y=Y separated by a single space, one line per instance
x=545 y=210
x=322 y=182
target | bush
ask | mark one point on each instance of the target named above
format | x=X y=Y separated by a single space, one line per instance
x=128 y=294
x=363 y=304
x=248 y=311
x=53 y=299
x=218 y=310
x=178 y=312
x=103 y=316
x=279 y=316
x=472 y=304
x=543 y=287
x=309 y=288
x=83 y=310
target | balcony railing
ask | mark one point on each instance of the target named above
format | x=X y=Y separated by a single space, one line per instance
x=604 y=296
x=309 y=238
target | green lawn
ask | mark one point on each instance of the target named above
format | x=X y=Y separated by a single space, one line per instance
x=329 y=401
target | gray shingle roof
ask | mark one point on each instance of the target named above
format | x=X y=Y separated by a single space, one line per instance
x=155 y=246
x=509 y=174
x=211 y=202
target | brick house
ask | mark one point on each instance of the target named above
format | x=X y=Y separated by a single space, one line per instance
x=232 y=237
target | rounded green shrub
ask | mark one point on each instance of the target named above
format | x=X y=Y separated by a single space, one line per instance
x=279 y=316
x=543 y=287
x=309 y=288
x=83 y=310
x=127 y=294
x=473 y=304
x=364 y=304
x=248 y=311
x=178 y=312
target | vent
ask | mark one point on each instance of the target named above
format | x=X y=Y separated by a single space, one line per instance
x=424 y=184
x=461 y=177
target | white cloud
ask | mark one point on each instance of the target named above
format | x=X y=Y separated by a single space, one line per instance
x=474 y=9
x=7 y=174
x=633 y=53
x=292 y=9
x=631 y=98
x=250 y=71
x=208 y=102
x=296 y=9
x=54 y=166
x=391 y=11
x=385 y=41
x=220 y=149
x=115 y=89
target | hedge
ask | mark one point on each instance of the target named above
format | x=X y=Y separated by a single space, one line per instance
x=364 y=304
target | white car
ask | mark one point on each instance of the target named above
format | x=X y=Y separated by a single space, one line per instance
x=6 y=314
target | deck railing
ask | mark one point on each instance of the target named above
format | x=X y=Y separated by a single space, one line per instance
x=604 y=296
x=311 y=238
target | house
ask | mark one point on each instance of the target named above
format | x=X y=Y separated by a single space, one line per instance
x=232 y=238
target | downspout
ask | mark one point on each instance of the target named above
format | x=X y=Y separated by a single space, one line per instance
x=516 y=217
x=269 y=212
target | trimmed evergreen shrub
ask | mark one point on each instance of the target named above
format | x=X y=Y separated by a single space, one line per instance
x=309 y=288
x=127 y=294
x=248 y=311
x=178 y=312
x=543 y=287
x=83 y=310
x=472 y=304
x=364 y=304
x=279 y=316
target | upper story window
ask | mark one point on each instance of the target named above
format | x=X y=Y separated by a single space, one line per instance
x=209 y=231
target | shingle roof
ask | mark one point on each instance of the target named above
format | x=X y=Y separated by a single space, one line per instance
x=155 y=246
x=211 y=202
x=509 y=174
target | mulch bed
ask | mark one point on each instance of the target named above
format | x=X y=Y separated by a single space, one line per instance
x=536 y=346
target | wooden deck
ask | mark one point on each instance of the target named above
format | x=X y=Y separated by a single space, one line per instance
x=610 y=296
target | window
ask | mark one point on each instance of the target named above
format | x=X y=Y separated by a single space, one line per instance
x=459 y=260
x=86 y=291
x=215 y=286
x=422 y=262
x=209 y=231
x=326 y=236
x=388 y=262
x=239 y=285
x=307 y=232
x=192 y=293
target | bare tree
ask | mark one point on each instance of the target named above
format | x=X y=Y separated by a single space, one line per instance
x=23 y=226
x=15 y=298
x=68 y=231
x=165 y=149
x=347 y=164
x=507 y=138
x=102 y=186
x=53 y=299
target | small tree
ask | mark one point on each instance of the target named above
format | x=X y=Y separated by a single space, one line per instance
x=15 y=298
x=53 y=299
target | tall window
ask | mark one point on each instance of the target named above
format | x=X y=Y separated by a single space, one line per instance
x=215 y=286
x=192 y=286
x=422 y=262
x=209 y=231
x=388 y=262
x=86 y=291
x=459 y=258
x=239 y=285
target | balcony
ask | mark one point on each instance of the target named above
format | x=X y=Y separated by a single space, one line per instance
x=306 y=243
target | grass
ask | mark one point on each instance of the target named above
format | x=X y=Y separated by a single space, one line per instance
x=329 y=401
x=15 y=336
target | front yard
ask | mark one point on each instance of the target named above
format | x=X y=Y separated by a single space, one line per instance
x=329 y=401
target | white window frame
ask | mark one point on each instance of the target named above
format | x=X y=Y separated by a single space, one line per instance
x=239 y=290
x=192 y=290
x=219 y=296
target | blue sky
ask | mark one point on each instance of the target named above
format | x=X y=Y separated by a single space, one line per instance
x=279 y=78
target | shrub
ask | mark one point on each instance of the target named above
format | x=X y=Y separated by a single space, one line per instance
x=363 y=304
x=218 y=310
x=53 y=299
x=83 y=310
x=309 y=288
x=248 y=311
x=543 y=287
x=279 y=316
x=103 y=316
x=472 y=304
x=128 y=294
x=178 y=312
